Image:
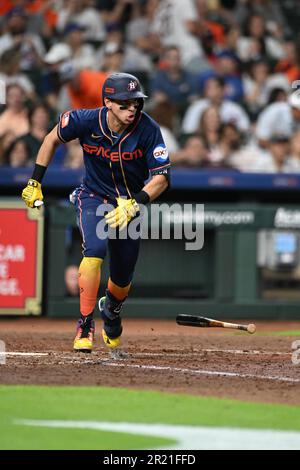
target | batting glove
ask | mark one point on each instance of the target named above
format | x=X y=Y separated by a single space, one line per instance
x=123 y=213
x=32 y=195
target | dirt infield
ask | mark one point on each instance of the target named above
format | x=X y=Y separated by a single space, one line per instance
x=163 y=356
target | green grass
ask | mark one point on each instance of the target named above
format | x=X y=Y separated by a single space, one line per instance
x=112 y=404
x=269 y=333
x=282 y=333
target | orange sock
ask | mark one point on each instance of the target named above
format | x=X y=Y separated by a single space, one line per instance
x=89 y=281
x=119 y=293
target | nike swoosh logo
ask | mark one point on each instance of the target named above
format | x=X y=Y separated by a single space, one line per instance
x=95 y=136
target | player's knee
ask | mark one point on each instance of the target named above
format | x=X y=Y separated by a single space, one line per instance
x=91 y=263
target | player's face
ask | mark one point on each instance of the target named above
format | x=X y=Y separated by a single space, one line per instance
x=125 y=111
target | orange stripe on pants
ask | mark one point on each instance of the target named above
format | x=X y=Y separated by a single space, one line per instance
x=89 y=281
x=119 y=293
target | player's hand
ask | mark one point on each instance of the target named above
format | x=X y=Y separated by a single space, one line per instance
x=32 y=195
x=123 y=213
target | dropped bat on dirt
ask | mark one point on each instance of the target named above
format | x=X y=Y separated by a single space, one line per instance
x=202 y=322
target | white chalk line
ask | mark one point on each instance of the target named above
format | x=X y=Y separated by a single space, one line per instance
x=166 y=368
x=203 y=372
x=195 y=352
x=226 y=351
x=5 y=353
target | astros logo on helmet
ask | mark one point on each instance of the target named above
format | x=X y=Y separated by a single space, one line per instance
x=132 y=85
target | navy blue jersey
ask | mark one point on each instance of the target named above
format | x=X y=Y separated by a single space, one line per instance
x=116 y=165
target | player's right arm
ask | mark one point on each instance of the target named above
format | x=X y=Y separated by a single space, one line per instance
x=32 y=195
x=48 y=148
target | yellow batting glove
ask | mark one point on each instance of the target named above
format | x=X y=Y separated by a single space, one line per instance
x=32 y=195
x=123 y=213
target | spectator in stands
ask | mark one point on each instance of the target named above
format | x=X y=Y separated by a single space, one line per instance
x=40 y=124
x=295 y=152
x=259 y=84
x=66 y=88
x=289 y=65
x=133 y=58
x=80 y=12
x=112 y=59
x=278 y=95
x=83 y=88
x=175 y=23
x=214 y=95
x=278 y=118
x=255 y=85
x=138 y=30
x=10 y=72
x=210 y=31
x=165 y=114
x=83 y=55
x=18 y=36
x=276 y=160
x=210 y=23
x=227 y=67
x=247 y=157
x=15 y=116
x=258 y=42
x=192 y=154
x=172 y=82
x=230 y=142
x=116 y=12
x=217 y=139
x=74 y=156
x=269 y=10
x=231 y=37
x=5 y=142
x=41 y=14
x=209 y=129
x=17 y=155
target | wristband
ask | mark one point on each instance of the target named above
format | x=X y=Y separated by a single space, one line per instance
x=38 y=172
x=142 y=197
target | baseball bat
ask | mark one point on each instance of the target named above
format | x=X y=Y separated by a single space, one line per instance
x=203 y=322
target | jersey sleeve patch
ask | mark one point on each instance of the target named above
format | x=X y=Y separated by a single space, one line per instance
x=160 y=153
x=65 y=119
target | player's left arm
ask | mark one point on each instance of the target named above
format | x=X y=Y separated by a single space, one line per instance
x=156 y=186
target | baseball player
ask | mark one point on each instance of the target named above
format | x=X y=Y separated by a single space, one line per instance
x=121 y=145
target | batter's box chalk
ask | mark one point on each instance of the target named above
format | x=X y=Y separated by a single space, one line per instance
x=2 y=353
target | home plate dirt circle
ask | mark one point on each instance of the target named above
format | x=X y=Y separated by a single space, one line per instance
x=162 y=356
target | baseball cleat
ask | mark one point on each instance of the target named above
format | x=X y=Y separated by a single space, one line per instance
x=112 y=343
x=84 y=338
x=112 y=327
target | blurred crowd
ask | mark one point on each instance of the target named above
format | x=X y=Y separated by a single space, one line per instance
x=221 y=75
